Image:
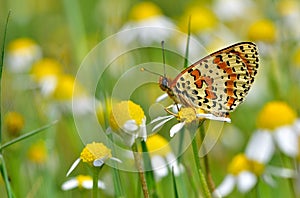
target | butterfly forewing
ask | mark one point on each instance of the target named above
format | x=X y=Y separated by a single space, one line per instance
x=219 y=82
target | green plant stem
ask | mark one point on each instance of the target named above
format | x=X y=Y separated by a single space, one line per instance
x=209 y=179
x=95 y=181
x=203 y=182
x=138 y=163
x=5 y=177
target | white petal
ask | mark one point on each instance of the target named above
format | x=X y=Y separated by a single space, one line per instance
x=260 y=147
x=161 y=118
x=287 y=140
x=73 y=166
x=98 y=162
x=162 y=123
x=176 y=107
x=143 y=131
x=159 y=167
x=226 y=187
x=213 y=117
x=269 y=180
x=70 y=184
x=176 y=128
x=88 y=184
x=130 y=125
x=173 y=163
x=297 y=126
x=162 y=97
x=282 y=172
x=116 y=159
x=246 y=181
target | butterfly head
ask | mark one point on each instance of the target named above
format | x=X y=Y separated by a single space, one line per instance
x=164 y=83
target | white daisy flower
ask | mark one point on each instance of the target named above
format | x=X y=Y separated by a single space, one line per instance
x=128 y=120
x=95 y=154
x=278 y=127
x=81 y=181
x=185 y=115
x=149 y=23
x=244 y=172
x=22 y=53
x=163 y=159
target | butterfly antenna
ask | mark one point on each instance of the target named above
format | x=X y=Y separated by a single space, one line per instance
x=164 y=57
x=144 y=69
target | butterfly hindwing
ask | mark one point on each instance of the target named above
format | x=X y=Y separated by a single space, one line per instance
x=219 y=82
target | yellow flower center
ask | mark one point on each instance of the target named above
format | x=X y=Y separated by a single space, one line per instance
x=83 y=178
x=14 y=123
x=44 y=68
x=188 y=114
x=65 y=86
x=202 y=19
x=256 y=167
x=94 y=151
x=238 y=164
x=124 y=111
x=22 y=44
x=158 y=145
x=37 y=152
x=262 y=30
x=275 y=114
x=144 y=10
x=241 y=163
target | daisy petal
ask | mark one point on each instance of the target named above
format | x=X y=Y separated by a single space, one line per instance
x=98 y=162
x=212 y=117
x=159 y=167
x=269 y=180
x=70 y=184
x=176 y=128
x=282 y=172
x=173 y=163
x=116 y=159
x=246 y=181
x=162 y=123
x=162 y=97
x=287 y=140
x=226 y=187
x=73 y=166
x=130 y=125
x=88 y=184
x=161 y=118
x=260 y=147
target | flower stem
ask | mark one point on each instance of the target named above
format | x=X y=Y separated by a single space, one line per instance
x=199 y=170
x=138 y=163
x=211 y=184
x=95 y=181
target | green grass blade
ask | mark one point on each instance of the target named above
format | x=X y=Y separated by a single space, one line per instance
x=27 y=135
x=1 y=69
x=174 y=184
x=186 y=62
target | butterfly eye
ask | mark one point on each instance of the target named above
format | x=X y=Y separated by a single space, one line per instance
x=163 y=83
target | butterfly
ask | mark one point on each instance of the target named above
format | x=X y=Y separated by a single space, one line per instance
x=217 y=83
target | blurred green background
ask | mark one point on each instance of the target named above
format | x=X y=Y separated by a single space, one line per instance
x=65 y=31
